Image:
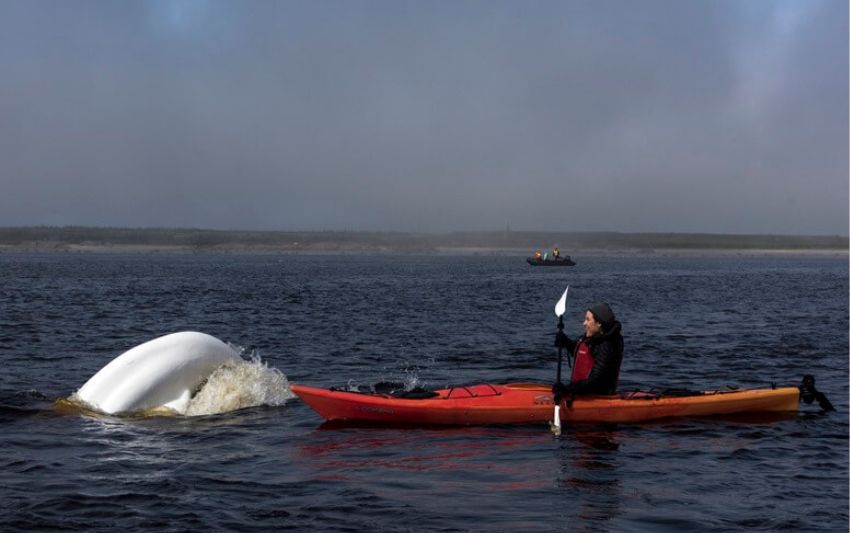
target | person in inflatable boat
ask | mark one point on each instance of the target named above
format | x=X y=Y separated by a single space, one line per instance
x=598 y=354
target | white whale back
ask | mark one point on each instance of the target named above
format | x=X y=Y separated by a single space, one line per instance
x=163 y=372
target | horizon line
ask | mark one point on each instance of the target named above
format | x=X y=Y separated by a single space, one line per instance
x=409 y=232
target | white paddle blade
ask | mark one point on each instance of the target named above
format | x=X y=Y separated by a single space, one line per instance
x=555 y=425
x=561 y=306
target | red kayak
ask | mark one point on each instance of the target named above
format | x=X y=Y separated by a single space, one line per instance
x=525 y=403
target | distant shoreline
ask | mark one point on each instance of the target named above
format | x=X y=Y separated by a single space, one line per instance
x=86 y=240
x=158 y=250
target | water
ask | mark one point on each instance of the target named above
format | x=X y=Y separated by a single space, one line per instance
x=433 y=321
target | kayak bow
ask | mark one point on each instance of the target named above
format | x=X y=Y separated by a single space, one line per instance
x=528 y=403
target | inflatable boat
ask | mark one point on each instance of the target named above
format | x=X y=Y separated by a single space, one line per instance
x=562 y=261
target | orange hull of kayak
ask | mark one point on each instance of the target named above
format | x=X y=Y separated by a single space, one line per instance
x=524 y=403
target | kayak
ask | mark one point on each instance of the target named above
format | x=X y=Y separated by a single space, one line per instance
x=529 y=403
x=565 y=261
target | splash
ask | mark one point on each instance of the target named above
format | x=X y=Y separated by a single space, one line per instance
x=238 y=385
x=410 y=382
x=411 y=378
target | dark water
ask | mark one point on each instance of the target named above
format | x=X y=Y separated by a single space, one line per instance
x=688 y=322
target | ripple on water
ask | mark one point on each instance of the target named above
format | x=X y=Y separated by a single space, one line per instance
x=689 y=322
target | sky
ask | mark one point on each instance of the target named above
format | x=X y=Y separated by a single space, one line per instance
x=719 y=116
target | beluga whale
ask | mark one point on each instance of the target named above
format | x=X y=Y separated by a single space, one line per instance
x=162 y=373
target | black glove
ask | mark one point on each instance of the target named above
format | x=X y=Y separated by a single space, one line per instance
x=560 y=389
x=561 y=340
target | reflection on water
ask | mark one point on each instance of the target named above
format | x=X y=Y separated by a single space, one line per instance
x=590 y=476
x=478 y=469
x=451 y=450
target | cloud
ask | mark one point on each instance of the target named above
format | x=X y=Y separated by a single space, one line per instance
x=663 y=116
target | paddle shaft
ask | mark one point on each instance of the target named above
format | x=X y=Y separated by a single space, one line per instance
x=560 y=348
x=560 y=308
x=556 y=421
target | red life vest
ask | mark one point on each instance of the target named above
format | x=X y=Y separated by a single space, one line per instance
x=583 y=364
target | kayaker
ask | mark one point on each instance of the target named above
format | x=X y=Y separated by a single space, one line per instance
x=598 y=354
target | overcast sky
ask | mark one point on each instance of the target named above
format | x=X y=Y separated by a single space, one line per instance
x=689 y=116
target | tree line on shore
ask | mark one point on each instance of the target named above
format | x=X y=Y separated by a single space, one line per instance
x=212 y=239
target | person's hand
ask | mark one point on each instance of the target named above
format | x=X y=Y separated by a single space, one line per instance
x=561 y=340
x=559 y=389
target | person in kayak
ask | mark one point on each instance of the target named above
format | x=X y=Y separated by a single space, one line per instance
x=598 y=354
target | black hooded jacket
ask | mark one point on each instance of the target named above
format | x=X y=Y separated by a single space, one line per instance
x=607 y=351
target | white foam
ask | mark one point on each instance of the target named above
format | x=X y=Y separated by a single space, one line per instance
x=238 y=385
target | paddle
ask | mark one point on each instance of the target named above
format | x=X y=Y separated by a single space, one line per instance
x=808 y=394
x=560 y=309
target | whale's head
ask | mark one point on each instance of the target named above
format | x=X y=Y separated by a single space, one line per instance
x=163 y=372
